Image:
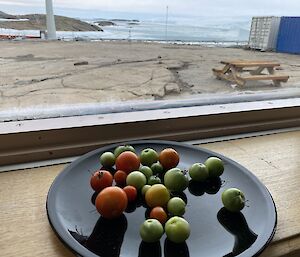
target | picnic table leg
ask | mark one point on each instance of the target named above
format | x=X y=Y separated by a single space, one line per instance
x=224 y=73
x=236 y=75
x=227 y=76
x=226 y=68
x=221 y=73
x=271 y=70
x=276 y=83
x=258 y=71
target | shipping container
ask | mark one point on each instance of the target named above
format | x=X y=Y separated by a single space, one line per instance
x=264 y=32
x=288 y=40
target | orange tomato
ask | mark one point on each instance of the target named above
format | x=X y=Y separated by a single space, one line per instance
x=159 y=214
x=101 y=179
x=111 y=202
x=128 y=161
x=120 y=177
x=169 y=158
x=131 y=193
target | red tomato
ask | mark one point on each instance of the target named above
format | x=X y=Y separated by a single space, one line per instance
x=168 y=158
x=111 y=202
x=159 y=214
x=131 y=193
x=101 y=179
x=120 y=177
x=127 y=161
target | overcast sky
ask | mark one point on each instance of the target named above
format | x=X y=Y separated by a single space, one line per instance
x=176 y=7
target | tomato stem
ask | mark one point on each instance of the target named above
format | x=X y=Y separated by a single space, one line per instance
x=100 y=174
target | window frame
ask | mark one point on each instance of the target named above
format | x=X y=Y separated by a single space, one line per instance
x=55 y=138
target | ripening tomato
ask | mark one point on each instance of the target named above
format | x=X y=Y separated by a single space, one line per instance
x=128 y=161
x=159 y=214
x=101 y=179
x=120 y=177
x=111 y=202
x=157 y=195
x=169 y=158
x=131 y=193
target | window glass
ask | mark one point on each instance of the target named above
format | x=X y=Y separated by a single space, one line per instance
x=112 y=56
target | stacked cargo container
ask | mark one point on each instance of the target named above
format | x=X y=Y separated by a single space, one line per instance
x=288 y=40
x=263 y=33
x=270 y=33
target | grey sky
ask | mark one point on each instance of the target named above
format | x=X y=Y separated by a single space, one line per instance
x=176 y=7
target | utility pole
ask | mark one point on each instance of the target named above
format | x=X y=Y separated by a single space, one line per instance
x=166 y=30
x=51 y=29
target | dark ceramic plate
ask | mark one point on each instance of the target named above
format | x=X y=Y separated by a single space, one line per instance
x=215 y=232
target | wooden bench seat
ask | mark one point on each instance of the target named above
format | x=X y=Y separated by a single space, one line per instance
x=265 y=77
x=216 y=70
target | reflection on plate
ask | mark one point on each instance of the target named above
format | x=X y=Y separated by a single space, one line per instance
x=214 y=231
x=236 y=224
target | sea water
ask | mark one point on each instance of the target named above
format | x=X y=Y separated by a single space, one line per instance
x=183 y=30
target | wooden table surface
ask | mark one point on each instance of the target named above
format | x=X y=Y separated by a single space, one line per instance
x=251 y=63
x=274 y=159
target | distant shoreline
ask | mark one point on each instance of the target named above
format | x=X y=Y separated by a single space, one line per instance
x=23 y=34
x=181 y=42
x=209 y=43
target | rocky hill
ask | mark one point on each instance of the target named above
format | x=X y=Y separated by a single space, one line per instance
x=4 y=15
x=38 y=22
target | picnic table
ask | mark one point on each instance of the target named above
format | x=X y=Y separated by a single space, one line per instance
x=234 y=71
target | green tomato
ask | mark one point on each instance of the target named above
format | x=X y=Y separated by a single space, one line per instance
x=148 y=156
x=154 y=180
x=122 y=148
x=215 y=166
x=233 y=199
x=177 y=229
x=146 y=171
x=151 y=230
x=198 y=172
x=107 y=159
x=157 y=168
x=136 y=179
x=145 y=189
x=176 y=180
x=176 y=206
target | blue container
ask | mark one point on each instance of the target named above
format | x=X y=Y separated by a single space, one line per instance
x=288 y=40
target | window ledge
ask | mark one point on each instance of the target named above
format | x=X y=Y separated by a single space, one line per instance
x=36 y=140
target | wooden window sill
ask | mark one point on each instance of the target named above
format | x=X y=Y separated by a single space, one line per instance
x=274 y=159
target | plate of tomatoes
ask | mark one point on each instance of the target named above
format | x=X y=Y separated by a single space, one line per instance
x=160 y=198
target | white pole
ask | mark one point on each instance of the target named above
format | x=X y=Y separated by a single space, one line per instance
x=51 y=30
x=166 y=30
